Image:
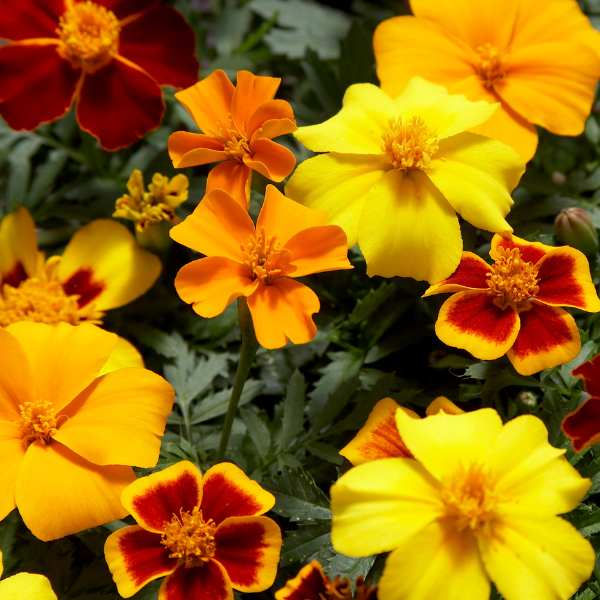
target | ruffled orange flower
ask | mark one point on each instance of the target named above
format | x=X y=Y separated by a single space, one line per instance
x=111 y=56
x=205 y=533
x=539 y=58
x=68 y=437
x=238 y=125
x=510 y=307
x=289 y=240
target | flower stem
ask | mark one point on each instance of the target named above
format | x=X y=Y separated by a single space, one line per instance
x=247 y=353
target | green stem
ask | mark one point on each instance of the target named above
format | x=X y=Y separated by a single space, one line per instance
x=247 y=353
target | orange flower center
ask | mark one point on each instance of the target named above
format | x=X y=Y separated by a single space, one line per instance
x=38 y=422
x=236 y=146
x=492 y=64
x=263 y=256
x=190 y=538
x=409 y=145
x=89 y=34
x=512 y=279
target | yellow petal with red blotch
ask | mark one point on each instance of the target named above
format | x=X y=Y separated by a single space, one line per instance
x=64 y=359
x=565 y=280
x=309 y=584
x=26 y=586
x=548 y=337
x=124 y=356
x=12 y=453
x=234 y=178
x=154 y=499
x=442 y=404
x=272 y=160
x=283 y=310
x=213 y=283
x=271 y=119
x=358 y=127
x=136 y=557
x=582 y=426
x=530 y=251
x=119 y=419
x=437 y=562
x=59 y=493
x=248 y=548
x=531 y=558
x=337 y=184
x=380 y=503
x=407 y=228
x=18 y=247
x=104 y=264
x=473 y=322
x=209 y=101
x=210 y=582
x=471 y=274
x=251 y=91
x=379 y=438
x=476 y=175
x=192 y=149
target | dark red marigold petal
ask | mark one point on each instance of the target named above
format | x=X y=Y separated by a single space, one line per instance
x=36 y=85
x=126 y=8
x=309 y=584
x=83 y=284
x=119 y=104
x=530 y=251
x=471 y=273
x=582 y=426
x=208 y=582
x=163 y=44
x=589 y=371
x=29 y=19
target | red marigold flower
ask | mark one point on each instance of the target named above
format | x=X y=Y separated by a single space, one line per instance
x=511 y=307
x=111 y=56
x=205 y=533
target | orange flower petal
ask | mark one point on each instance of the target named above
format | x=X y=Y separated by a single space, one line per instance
x=442 y=404
x=472 y=321
x=124 y=356
x=248 y=549
x=209 y=581
x=59 y=493
x=589 y=371
x=18 y=247
x=234 y=178
x=582 y=426
x=272 y=160
x=530 y=251
x=12 y=453
x=309 y=584
x=271 y=119
x=283 y=310
x=471 y=274
x=548 y=337
x=192 y=149
x=250 y=92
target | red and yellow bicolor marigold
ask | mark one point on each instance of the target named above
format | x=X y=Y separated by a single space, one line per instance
x=205 y=533
x=238 y=125
x=511 y=307
x=539 y=58
x=110 y=56
x=260 y=262
x=69 y=434
x=25 y=586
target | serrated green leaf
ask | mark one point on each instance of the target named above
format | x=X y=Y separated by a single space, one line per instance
x=45 y=177
x=159 y=341
x=260 y=434
x=304 y=542
x=326 y=452
x=348 y=566
x=322 y=414
x=216 y=405
x=293 y=409
x=20 y=168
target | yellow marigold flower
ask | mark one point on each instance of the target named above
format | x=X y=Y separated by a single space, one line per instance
x=539 y=58
x=398 y=171
x=25 y=586
x=479 y=503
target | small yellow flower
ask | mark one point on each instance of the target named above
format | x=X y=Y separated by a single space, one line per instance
x=25 y=586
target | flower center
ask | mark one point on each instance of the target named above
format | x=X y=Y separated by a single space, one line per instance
x=263 y=257
x=190 y=538
x=89 y=34
x=512 y=279
x=236 y=146
x=410 y=144
x=38 y=422
x=492 y=64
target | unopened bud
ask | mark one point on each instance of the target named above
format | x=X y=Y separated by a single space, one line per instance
x=528 y=399
x=574 y=227
x=559 y=178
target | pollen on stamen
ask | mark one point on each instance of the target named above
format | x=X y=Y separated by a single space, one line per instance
x=512 y=279
x=236 y=145
x=492 y=64
x=409 y=144
x=258 y=256
x=38 y=422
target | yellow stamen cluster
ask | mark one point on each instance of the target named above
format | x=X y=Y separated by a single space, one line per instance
x=190 y=538
x=38 y=422
x=235 y=144
x=258 y=256
x=492 y=64
x=89 y=34
x=512 y=279
x=409 y=144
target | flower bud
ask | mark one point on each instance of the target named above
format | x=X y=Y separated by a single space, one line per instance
x=573 y=226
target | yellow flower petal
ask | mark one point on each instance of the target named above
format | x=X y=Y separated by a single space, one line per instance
x=12 y=453
x=442 y=404
x=26 y=586
x=18 y=246
x=124 y=355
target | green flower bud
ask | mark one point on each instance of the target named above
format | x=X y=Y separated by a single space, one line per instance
x=574 y=227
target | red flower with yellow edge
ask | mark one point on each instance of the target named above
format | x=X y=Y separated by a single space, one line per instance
x=289 y=240
x=511 y=307
x=205 y=533
x=238 y=125
x=312 y=584
x=379 y=438
x=68 y=435
x=110 y=56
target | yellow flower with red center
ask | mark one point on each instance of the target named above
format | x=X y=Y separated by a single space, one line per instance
x=539 y=58
x=72 y=425
x=25 y=586
x=238 y=125
x=479 y=503
x=205 y=533
x=289 y=241
x=397 y=172
x=511 y=307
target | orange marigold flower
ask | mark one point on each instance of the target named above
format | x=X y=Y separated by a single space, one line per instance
x=205 y=533
x=510 y=307
x=238 y=125
x=68 y=437
x=111 y=56
x=539 y=58
x=289 y=240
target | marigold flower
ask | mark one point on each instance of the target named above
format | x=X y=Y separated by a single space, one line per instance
x=312 y=584
x=289 y=240
x=205 y=533
x=539 y=58
x=111 y=56
x=510 y=307
x=25 y=586
x=68 y=435
x=238 y=125
x=398 y=171
x=480 y=502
